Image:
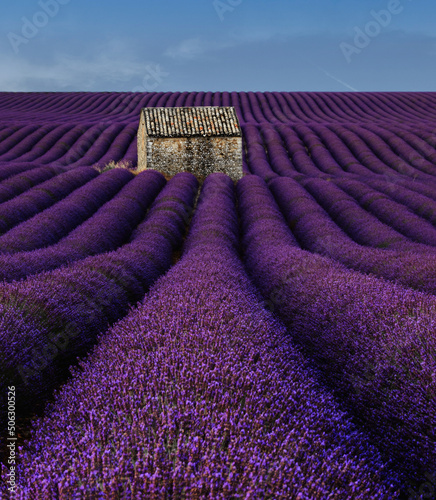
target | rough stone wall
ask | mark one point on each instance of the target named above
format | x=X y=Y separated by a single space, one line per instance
x=198 y=155
x=142 y=144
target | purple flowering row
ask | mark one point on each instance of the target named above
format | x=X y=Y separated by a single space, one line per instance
x=278 y=157
x=28 y=149
x=92 y=145
x=408 y=147
x=293 y=158
x=422 y=187
x=423 y=143
x=315 y=231
x=49 y=226
x=297 y=152
x=110 y=227
x=121 y=149
x=256 y=158
x=390 y=212
x=48 y=141
x=418 y=203
x=389 y=185
x=323 y=133
x=21 y=182
x=47 y=320
x=200 y=393
x=7 y=130
x=314 y=151
x=373 y=152
x=372 y=341
x=340 y=152
x=16 y=137
x=318 y=151
x=372 y=108
x=363 y=227
x=398 y=152
x=109 y=137
x=63 y=145
x=10 y=169
x=42 y=196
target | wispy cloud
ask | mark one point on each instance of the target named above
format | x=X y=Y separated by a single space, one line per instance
x=186 y=49
x=239 y=61
x=103 y=67
x=195 y=48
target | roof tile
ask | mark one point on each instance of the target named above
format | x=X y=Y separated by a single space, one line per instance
x=200 y=121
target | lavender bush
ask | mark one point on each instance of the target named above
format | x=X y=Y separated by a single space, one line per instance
x=48 y=320
x=40 y=197
x=363 y=227
x=22 y=182
x=110 y=227
x=54 y=223
x=390 y=212
x=315 y=231
x=267 y=417
x=10 y=169
x=352 y=325
x=215 y=400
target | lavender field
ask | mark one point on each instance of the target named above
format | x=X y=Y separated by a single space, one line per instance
x=270 y=338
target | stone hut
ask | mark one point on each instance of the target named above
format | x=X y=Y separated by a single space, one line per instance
x=200 y=140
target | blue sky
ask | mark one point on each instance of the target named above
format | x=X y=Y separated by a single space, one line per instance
x=217 y=45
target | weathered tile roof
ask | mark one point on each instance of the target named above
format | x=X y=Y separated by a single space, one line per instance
x=188 y=122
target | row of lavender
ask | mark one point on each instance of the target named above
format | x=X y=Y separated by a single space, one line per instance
x=372 y=340
x=365 y=229
x=68 y=145
x=373 y=211
x=200 y=393
x=108 y=228
x=326 y=150
x=415 y=197
x=51 y=318
x=309 y=133
x=369 y=341
x=287 y=150
x=345 y=232
x=260 y=107
x=363 y=197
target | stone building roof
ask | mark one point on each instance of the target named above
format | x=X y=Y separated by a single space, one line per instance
x=203 y=121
